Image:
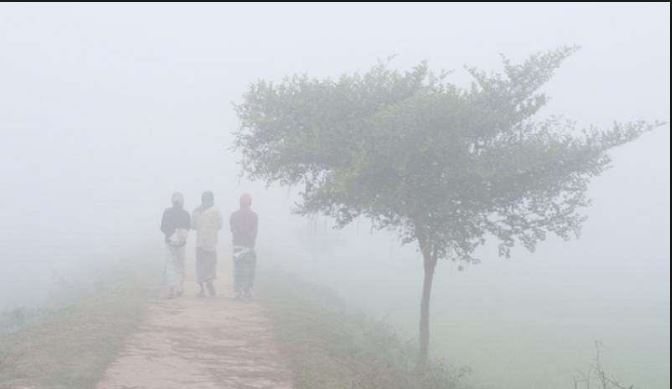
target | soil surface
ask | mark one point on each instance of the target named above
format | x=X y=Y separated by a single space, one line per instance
x=192 y=342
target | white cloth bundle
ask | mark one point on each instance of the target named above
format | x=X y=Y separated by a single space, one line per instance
x=179 y=237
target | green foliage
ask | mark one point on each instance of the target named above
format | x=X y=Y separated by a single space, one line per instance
x=440 y=164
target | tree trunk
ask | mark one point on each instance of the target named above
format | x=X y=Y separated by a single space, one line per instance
x=429 y=262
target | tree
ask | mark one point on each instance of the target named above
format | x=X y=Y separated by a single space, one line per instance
x=443 y=166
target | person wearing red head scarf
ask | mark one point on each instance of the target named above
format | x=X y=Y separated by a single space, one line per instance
x=244 y=224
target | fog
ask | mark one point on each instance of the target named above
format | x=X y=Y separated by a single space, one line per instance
x=105 y=110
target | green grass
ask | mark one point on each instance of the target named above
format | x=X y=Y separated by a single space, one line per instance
x=71 y=347
x=328 y=346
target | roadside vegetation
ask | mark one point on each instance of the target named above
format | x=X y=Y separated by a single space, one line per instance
x=329 y=346
x=70 y=347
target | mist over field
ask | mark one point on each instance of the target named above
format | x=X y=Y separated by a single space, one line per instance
x=106 y=110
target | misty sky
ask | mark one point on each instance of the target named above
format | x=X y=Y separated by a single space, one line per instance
x=105 y=110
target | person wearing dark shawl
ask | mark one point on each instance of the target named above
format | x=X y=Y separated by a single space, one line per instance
x=207 y=221
x=244 y=223
x=175 y=225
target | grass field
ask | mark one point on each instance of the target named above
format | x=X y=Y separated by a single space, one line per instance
x=329 y=347
x=71 y=346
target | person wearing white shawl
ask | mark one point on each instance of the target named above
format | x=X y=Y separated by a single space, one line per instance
x=207 y=221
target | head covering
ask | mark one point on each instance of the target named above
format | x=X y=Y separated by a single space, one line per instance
x=177 y=199
x=207 y=199
x=245 y=200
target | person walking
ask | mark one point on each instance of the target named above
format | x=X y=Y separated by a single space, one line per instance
x=175 y=224
x=207 y=221
x=244 y=224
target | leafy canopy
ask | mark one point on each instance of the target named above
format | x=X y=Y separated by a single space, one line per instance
x=443 y=165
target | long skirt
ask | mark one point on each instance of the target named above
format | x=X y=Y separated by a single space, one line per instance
x=174 y=269
x=244 y=266
x=206 y=265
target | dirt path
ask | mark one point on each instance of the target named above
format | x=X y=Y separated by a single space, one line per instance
x=200 y=343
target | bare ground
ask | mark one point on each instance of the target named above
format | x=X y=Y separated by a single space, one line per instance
x=197 y=343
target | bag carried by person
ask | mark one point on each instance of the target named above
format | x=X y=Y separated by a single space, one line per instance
x=240 y=253
x=178 y=238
